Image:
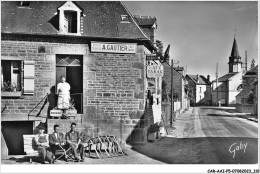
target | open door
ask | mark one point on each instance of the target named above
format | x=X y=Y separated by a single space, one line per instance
x=70 y=66
x=75 y=79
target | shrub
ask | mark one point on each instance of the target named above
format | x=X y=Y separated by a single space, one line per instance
x=154 y=127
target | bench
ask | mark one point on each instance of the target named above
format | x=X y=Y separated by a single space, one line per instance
x=30 y=146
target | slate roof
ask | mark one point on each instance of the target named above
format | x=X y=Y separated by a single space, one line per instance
x=166 y=64
x=234 y=51
x=252 y=71
x=202 y=79
x=100 y=19
x=225 y=77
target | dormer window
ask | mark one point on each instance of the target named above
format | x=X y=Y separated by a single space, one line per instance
x=125 y=18
x=70 y=21
x=69 y=17
x=24 y=4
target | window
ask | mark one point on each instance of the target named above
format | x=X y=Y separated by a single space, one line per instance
x=70 y=21
x=240 y=87
x=69 y=18
x=124 y=18
x=17 y=77
x=24 y=4
x=200 y=89
x=11 y=75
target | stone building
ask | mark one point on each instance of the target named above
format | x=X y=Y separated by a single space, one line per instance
x=179 y=82
x=153 y=80
x=230 y=84
x=148 y=24
x=200 y=88
x=100 y=49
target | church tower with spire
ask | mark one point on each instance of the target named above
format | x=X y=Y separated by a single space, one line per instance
x=235 y=63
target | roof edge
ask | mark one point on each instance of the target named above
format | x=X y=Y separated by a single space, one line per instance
x=76 y=36
x=134 y=20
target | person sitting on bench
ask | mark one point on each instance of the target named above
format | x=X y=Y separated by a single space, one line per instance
x=73 y=140
x=57 y=140
x=42 y=142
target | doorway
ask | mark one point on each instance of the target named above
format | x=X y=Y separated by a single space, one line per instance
x=70 y=66
x=13 y=132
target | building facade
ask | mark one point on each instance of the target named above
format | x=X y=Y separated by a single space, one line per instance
x=100 y=49
x=178 y=85
x=229 y=85
x=201 y=89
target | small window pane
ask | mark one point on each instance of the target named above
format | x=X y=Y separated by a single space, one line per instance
x=124 y=18
x=24 y=3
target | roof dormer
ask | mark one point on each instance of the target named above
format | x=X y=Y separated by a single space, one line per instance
x=69 y=17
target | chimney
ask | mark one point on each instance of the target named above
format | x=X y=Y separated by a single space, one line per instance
x=208 y=77
x=197 y=78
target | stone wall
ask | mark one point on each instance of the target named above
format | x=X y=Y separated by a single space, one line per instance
x=113 y=85
x=245 y=108
x=177 y=81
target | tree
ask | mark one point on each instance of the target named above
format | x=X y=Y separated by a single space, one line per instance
x=159 y=44
x=253 y=63
x=165 y=97
x=250 y=98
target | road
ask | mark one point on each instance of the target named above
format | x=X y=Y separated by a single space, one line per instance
x=207 y=135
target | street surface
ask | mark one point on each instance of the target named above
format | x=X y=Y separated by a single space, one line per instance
x=207 y=135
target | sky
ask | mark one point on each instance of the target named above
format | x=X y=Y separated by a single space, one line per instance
x=201 y=34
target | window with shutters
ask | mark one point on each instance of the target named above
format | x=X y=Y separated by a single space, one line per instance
x=17 y=77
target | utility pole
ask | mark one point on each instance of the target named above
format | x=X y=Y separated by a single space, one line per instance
x=246 y=60
x=217 y=82
x=171 y=92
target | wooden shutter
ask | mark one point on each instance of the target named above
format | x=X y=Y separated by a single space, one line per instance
x=29 y=77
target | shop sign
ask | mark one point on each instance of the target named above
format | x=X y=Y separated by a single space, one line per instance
x=112 y=47
x=155 y=70
x=152 y=57
x=151 y=83
x=55 y=113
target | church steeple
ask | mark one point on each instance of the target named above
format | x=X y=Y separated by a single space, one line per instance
x=235 y=63
x=235 y=52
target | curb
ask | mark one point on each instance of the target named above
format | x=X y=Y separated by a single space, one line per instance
x=250 y=119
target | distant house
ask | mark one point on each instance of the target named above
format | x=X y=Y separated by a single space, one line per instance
x=201 y=89
x=229 y=85
x=148 y=25
x=179 y=82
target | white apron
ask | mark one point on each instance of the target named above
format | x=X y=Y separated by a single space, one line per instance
x=63 y=90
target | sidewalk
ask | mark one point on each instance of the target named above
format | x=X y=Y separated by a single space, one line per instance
x=247 y=116
x=132 y=157
x=183 y=126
